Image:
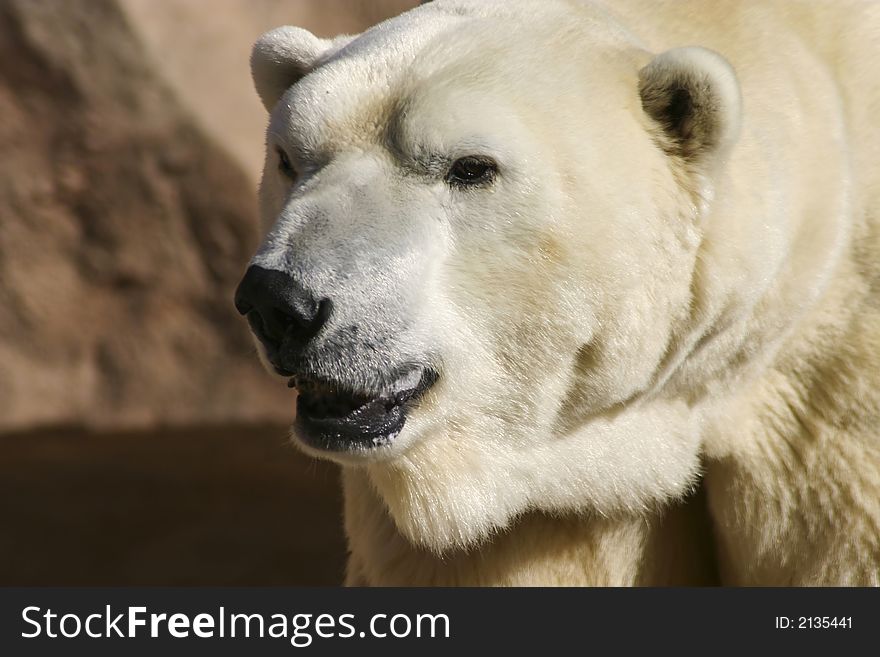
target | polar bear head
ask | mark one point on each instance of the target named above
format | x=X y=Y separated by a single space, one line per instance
x=482 y=222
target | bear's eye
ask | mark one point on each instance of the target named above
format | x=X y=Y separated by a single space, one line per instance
x=284 y=165
x=471 y=171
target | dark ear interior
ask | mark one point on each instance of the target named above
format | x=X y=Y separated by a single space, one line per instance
x=693 y=97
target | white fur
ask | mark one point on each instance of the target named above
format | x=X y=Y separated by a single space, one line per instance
x=623 y=295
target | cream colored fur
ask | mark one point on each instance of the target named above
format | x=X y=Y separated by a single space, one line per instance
x=652 y=279
x=793 y=444
x=673 y=547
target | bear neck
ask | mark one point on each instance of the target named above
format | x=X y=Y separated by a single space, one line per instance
x=673 y=547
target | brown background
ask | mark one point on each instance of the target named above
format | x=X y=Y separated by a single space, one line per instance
x=140 y=443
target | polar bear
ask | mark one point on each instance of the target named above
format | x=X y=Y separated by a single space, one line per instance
x=535 y=268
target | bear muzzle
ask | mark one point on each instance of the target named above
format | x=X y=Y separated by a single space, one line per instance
x=332 y=414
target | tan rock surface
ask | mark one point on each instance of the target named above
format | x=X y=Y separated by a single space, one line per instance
x=203 y=49
x=123 y=232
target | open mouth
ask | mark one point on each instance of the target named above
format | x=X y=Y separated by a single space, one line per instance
x=331 y=417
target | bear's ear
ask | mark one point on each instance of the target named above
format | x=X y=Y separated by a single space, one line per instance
x=693 y=95
x=281 y=57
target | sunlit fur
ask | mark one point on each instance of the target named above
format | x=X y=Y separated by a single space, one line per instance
x=629 y=295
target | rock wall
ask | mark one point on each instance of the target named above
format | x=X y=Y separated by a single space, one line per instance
x=208 y=67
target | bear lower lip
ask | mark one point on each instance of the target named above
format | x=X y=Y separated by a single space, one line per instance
x=331 y=418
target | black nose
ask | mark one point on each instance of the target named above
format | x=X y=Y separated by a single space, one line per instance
x=278 y=307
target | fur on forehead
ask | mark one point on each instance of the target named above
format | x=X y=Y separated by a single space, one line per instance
x=384 y=63
x=283 y=56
